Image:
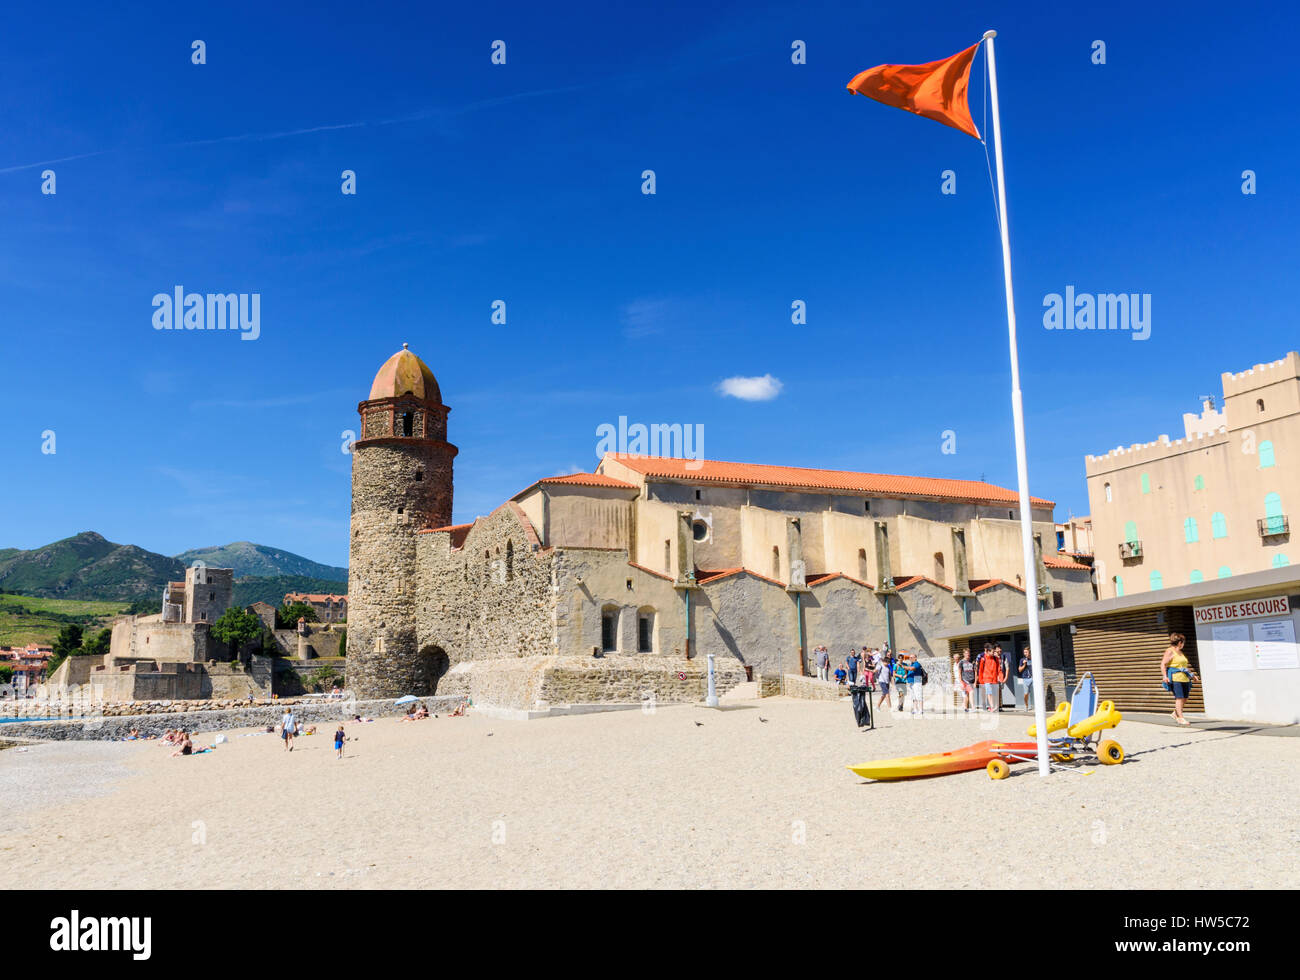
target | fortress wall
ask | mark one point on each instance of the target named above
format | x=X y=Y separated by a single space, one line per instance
x=490 y=599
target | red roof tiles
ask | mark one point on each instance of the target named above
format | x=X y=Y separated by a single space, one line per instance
x=799 y=478
x=579 y=480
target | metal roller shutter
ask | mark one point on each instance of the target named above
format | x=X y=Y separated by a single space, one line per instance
x=1123 y=652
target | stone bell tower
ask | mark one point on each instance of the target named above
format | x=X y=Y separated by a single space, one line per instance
x=401 y=484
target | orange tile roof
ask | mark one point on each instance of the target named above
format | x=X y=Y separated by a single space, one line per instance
x=314 y=597
x=1055 y=561
x=914 y=579
x=579 y=480
x=800 y=478
x=989 y=583
x=702 y=576
x=823 y=577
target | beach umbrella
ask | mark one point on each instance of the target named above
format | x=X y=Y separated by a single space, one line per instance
x=408 y=699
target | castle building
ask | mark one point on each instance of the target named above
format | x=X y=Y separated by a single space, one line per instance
x=204 y=595
x=1212 y=504
x=611 y=585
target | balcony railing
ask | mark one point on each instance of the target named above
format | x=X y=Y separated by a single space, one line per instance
x=1273 y=526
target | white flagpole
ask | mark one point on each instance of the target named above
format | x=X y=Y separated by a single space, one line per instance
x=1018 y=414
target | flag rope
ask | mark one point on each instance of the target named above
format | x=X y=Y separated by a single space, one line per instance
x=984 y=128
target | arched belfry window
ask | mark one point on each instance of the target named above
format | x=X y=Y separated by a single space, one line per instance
x=407 y=421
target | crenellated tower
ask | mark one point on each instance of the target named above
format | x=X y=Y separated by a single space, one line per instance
x=401 y=484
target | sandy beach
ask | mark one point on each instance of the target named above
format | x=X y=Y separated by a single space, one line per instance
x=754 y=795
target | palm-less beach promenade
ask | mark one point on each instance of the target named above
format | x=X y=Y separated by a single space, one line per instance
x=628 y=799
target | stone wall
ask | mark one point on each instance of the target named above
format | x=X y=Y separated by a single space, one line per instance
x=769 y=685
x=148 y=638
x=813 y=688
x=149 y=681
x=295 y=676
x=539 y=683
x=489 y=599
x=320 y=641
x=573 y=680
x=96 y=728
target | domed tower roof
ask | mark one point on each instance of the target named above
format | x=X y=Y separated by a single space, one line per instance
x=404 y=373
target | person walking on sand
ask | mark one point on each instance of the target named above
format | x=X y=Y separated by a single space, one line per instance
x=288 y=729
x=966 y=678
x=1176 y=671
x=339 y=739
x=823 y=664
x=852 y=663
x=884 y=675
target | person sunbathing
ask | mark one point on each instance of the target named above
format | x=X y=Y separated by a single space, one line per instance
x=186 y=747
x=460 y=711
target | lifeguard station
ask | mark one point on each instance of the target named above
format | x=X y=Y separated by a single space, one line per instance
x=1082 y=736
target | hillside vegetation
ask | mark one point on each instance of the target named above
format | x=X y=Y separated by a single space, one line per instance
x=28 y=619
x=86 y=566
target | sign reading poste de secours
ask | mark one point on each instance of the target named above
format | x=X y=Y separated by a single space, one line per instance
x=1246 y=609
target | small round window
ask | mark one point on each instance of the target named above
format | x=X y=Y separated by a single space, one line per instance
x=700 y=529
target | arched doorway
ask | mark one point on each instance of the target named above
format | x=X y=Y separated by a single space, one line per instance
x=431 y=663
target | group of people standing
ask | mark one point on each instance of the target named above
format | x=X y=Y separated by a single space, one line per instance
x=980 y=680
x=878 y=669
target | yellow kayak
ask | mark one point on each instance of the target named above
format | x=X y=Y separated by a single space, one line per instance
x=975 y=756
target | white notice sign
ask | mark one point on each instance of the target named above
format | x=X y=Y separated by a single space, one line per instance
x=1233 y=649
x=1275 y=647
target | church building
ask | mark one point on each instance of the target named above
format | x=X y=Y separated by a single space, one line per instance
x=615 y=585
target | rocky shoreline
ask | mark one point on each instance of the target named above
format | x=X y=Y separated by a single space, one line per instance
x=212 y=716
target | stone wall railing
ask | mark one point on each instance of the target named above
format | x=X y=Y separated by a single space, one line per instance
x=813 y=688
x=769 y=685
x=108 y=728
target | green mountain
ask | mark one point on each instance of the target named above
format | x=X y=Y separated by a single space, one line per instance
x=248 y=559
x=86 y=566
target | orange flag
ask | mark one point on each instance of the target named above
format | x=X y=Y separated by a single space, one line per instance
x=936 y=91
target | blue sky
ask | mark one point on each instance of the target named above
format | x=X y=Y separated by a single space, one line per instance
x=522 y=182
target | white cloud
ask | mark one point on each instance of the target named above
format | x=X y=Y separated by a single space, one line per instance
x=762 y=389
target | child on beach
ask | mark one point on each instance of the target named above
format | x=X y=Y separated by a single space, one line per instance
x=339 y=739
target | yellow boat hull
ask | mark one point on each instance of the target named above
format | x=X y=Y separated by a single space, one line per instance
x=975 y=756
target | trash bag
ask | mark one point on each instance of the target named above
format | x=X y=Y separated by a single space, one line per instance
x=860 y=695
